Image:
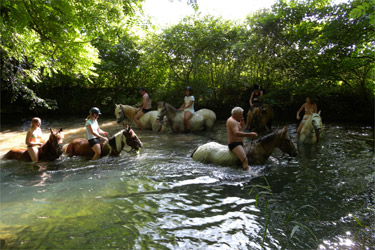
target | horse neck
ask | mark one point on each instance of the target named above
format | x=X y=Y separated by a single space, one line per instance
x=129 y=111
x=46 y=150
x=171 y=111
x=263 y=147
x=117 y=142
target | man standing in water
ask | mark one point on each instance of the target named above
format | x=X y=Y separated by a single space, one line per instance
x=235 y=124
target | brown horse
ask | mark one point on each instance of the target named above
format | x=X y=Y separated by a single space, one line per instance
x=257 y=151
x=260 y=118
x=115 y=145
x=49 y=151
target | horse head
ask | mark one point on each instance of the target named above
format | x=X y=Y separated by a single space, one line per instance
x=162 y=111
x=131 y=138
x=119 y=113
x=56 y=140
x=286 y=145
x=316 y=122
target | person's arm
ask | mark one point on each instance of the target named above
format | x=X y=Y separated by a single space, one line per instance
x=103 y=132
x=182 y=106
x=97 y=135
x=300 y=109
x=144 y=102
x=237 y=133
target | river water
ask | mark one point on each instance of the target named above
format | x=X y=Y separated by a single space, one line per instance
x=162 y=199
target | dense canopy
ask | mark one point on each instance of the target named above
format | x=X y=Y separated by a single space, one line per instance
x=69 y=55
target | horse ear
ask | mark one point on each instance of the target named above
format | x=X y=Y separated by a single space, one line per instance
x=319 y=112
x=60 y=130
x=285 y=129
x=50 y=130
x=127 y=127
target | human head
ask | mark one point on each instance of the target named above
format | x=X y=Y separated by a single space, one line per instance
x=95 y=110
x=237 y=111
x=36 y=121
x=310 y=100
x=188 y=91
x=256 y=87
x=142 y=89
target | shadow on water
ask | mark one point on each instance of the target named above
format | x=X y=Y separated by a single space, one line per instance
x=162 y=199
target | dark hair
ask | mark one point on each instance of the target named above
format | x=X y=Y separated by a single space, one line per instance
x=312 y=100
x=256 y=87
x=189 y=88
x=143 y=89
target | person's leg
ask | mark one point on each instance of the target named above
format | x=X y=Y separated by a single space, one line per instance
x=240 y=153
x=137 y=117
x=299 y=130
x=33 y=152
x=97 y=150
x=187 y=117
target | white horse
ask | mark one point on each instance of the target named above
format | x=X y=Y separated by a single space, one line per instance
x=257 y=152
x=148 y=120
x=202 y=119
x=311 y=129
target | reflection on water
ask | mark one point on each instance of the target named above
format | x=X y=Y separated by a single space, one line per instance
x=162 y=199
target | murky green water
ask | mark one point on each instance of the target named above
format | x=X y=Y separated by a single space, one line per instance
x=162 y=199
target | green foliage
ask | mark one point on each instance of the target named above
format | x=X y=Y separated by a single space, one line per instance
x=296 y=49
x=57 y=36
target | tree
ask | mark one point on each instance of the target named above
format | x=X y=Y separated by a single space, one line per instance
x=43 y=37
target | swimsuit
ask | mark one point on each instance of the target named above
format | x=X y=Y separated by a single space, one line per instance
x=36 y=136
x=94 y=141
x=307 y=114
x=233 y=145
x=146 y=110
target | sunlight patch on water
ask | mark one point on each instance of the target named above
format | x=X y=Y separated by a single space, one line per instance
x=199 y=180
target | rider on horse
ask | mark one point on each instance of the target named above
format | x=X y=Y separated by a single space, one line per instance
x=255 y=102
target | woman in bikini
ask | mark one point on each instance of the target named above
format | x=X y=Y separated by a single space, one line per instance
x=310 y=107
x=34 y=138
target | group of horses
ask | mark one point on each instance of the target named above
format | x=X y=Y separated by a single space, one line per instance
x=168 y=118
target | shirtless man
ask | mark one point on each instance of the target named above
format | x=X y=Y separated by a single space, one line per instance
x=235 y=124
x=144 y=107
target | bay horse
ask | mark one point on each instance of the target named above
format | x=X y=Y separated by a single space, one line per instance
x=203 y=119
x=49 y=151
x=257 y=152
x=311 y=129
x=114 y=146
x=148 y=120
x=261 y=118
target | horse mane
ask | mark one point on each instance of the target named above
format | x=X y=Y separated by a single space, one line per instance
x=169 y=106
x=129 y=111
x=46 y=151
x=267 y=138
